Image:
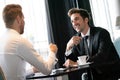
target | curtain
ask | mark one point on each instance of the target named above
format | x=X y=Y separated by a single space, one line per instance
x=85 y=4
x=61 y=28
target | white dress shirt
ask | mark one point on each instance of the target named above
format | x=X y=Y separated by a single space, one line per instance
x=15 y=51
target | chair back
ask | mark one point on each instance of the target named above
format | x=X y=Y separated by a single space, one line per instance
x=13 y=66
x=2 y=76
x=117 y=45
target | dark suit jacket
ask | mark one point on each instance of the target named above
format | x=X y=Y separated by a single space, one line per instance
x=101 y=49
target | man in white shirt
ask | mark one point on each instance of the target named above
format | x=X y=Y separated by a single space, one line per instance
x=15 y=51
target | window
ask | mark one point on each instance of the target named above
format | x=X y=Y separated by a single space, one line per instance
x=104 y=15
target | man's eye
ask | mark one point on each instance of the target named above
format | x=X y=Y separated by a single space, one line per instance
x=76 y=19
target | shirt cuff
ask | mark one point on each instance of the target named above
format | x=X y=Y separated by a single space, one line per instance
x=53 y=56
x=56 y=61
x=29 y=72
x=67 y=53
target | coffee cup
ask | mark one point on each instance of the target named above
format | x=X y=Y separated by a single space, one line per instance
x=82 y=60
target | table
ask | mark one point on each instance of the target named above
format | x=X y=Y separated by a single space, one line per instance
x=61 y=72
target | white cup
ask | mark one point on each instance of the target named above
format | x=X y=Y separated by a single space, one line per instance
x=82 y=60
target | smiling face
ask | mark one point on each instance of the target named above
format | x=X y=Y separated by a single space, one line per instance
x=79 y=24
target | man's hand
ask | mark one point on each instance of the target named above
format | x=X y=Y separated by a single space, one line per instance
x=53 y=48
x=69 y=63
x=35 y=70
x=75 y=40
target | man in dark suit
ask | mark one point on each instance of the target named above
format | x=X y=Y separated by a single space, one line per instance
x=101 y=51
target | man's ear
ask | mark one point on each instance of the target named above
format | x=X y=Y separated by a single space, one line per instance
x=86 y=20
x=18 y=19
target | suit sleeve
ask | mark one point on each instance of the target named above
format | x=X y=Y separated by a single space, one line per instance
x=105 y=51
x=74 y=54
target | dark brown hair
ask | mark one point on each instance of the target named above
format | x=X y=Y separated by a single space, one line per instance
x=83 y=13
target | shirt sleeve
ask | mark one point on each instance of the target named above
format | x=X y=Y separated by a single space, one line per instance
x=29 y=54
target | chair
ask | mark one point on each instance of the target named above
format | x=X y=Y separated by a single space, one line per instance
x=117 y=45
x=2 y=76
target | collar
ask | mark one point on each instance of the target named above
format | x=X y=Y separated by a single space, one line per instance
x=12 y=30
x=87 y=34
